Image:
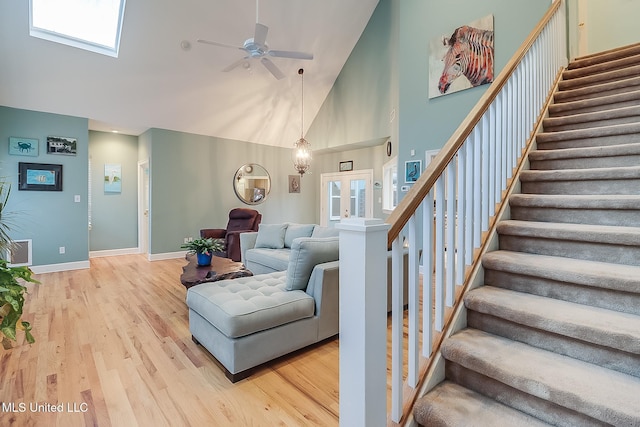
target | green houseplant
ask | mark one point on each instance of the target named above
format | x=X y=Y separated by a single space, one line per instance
x=11 y=291
x=204 y=249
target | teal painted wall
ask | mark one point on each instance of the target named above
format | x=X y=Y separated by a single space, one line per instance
x=50 y=218
x=192 y=186
x=388 y=70
x=359 y=104
x=427 y=124
x=114 y=221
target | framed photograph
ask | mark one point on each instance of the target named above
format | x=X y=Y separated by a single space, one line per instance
x=112 y=178
x=294 y=183
x=23 y=146
x=39 y=177
x=346 y=166
x=412 y=170
x=62 y=145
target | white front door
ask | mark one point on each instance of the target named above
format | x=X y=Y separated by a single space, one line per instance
x=345 y=195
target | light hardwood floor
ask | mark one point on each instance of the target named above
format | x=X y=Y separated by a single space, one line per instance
x=113 y=344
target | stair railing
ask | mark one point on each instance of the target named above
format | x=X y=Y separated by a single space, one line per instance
x=455 y=199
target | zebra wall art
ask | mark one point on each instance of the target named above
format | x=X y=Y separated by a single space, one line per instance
x=465 y=59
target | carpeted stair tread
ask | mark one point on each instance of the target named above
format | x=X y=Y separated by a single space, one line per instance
x=626 y=172
x=605 y=56
x=599 y=326
x=597 y=89
x=607 y=101
x=603 y=394
x=606 y=234
x=609 y=65
x=576 y=201
x=600 y=131
x=614 y=113
x=618 y=277
x=452 y=405
x=602 y=76
x=586 y=152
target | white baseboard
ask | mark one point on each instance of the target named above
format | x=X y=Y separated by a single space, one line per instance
x=65 y=266
x=167 y=255
x=113 y=252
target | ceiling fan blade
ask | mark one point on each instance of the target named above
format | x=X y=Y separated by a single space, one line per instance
x=235 y=64
x=272 y=68
x=290 y=54
x=260 y=36
x=219 y=44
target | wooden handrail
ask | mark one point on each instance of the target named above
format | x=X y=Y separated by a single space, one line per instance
x=410 y=203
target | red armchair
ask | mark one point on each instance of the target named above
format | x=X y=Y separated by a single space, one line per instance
x=240 y=220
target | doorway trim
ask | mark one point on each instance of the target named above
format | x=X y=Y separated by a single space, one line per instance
x=144 y=207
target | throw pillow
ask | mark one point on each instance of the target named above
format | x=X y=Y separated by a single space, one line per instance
x=306 y=253
x=271 y=236
x=325 y=232
x=297 y=230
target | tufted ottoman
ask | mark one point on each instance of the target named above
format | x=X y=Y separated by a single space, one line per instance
x=248 y=321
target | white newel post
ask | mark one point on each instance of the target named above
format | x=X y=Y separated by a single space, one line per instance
x=363 y=322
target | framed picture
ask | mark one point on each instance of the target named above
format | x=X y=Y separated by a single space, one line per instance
x=23 y=146
x=412 y=170
x=346 y=166
x=294 y=183
x=39 y=177
x=62 y=145
x=112 y=178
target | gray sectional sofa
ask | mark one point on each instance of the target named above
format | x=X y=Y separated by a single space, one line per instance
x=268 y=249
x=290 y=303
x=246 y=322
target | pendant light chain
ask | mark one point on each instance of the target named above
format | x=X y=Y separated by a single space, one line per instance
x=301 y=72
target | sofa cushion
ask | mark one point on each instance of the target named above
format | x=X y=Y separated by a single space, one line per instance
x=297 y=230
x=275 y=259
x=244 y=306
x=325 y=232
x=306 y=253
x=271 y=236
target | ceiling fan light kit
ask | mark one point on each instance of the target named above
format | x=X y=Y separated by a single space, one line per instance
x=257 y=48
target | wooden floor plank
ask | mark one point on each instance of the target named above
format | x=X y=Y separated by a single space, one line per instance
x=115 y=339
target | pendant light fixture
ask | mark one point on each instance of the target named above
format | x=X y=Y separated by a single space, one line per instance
x=302 y=148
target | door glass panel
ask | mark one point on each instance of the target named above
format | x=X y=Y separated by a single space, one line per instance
x=334 y=201
x=358 y=198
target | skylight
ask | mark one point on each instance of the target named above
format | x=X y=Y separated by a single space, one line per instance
x=93 y=25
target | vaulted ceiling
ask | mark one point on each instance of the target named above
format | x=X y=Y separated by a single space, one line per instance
x=164 y=79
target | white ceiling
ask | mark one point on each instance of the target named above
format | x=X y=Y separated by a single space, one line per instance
x=154 y=83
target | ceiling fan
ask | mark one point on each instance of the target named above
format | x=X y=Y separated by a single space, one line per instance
x=257 y=48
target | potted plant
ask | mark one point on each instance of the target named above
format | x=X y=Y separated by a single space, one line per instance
x=11 y=291
x=204 y=249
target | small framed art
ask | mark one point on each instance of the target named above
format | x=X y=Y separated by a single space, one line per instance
x=294 y=183
x=39 y=177
x=62 y=145
x=23 y=146
x=412 y=170
x=346 y=166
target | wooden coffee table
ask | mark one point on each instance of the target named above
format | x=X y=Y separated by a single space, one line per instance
x=220 y=269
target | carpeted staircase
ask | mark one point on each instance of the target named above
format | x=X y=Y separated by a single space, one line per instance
x=553 y=337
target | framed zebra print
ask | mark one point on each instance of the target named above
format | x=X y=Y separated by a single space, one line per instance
x=462 y=59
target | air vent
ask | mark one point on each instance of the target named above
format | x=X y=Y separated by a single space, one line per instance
x=20 y=253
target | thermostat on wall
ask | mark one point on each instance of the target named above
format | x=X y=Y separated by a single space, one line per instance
x=404 y=188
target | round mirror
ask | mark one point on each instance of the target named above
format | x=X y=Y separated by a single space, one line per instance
x=252 y=183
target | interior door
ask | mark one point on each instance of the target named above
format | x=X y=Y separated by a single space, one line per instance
x=143 y=207
x=345 y=195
